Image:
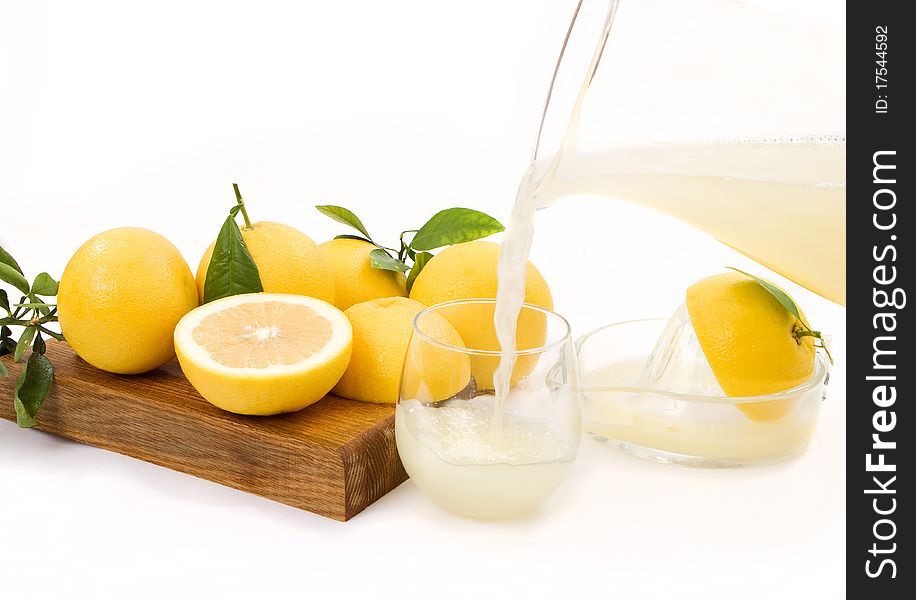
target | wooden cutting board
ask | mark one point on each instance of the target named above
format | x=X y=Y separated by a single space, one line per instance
x=333 y=458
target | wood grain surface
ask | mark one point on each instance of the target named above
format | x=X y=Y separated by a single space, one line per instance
x=333 y=458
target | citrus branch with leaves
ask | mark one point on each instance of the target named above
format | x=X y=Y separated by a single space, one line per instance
x=33 y=316
x=445 y=228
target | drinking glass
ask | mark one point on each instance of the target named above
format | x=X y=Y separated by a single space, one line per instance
x=463 y=450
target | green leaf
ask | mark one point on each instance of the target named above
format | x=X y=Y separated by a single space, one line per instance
x=4 y=301
x=34 y=305
x=783 y=298
x=8 y=260
x=25 y=340
x=44 y=285
x=39 y=345
x=232 y=270
x=32 y=388
x=419 y=262
x=13 y=277
x=454 y=226
x=345 y=216
x=22 y=416
x=42 y=307
x=3 y=371
x=7 y=344
x=382 y=260
x=347 y=236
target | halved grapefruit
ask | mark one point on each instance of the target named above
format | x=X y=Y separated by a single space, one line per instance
x=264 y=354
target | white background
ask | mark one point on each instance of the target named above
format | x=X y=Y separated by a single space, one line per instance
x=117 y=114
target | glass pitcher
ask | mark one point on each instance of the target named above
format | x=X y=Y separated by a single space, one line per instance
x=722 y=114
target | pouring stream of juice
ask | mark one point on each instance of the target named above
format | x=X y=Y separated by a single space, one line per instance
x=516 y=245
x=780 y=201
